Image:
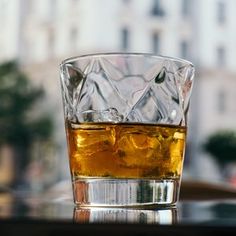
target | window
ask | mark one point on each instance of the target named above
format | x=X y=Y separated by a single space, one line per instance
x=221 y=12
x=155 y=43
x=52 y=8
x=124 y=39
x=185 y=8
x=220 y=56
x=73 y=38
x=184 y=49
x=30 y=8
x=51 y=43
x=221 y=101
x=157 y=9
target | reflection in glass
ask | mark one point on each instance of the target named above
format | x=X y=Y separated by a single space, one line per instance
x=124 y=215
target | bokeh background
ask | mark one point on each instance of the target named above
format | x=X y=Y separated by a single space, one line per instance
x=37 y=35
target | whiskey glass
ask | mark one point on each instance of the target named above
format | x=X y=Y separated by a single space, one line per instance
x=126 y=123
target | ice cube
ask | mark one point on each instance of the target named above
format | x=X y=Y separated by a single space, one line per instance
x=108 y=115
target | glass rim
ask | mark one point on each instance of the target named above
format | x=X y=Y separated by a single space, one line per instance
x=137 y=54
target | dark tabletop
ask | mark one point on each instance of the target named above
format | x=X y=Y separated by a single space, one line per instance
x=55 y=214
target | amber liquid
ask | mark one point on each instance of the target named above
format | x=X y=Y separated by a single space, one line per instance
x=131 y=150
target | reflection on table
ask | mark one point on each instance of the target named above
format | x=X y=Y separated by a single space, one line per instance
x=123 y=215
x=206 y=205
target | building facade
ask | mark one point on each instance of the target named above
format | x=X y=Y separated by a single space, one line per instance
x=42 y=33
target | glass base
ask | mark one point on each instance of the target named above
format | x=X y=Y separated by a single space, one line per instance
x=103 y=192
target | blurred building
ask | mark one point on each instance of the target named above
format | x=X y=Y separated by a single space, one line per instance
x=42 y=33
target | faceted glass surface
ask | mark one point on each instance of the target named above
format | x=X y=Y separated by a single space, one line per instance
x=126 y=88
x=125 y=117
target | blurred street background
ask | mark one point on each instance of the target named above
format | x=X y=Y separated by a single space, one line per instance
x=37 y=35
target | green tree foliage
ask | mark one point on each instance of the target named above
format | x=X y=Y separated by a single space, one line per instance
x=222 y=146
x=17 y=98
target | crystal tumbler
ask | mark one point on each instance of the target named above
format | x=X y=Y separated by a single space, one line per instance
x=126 y=124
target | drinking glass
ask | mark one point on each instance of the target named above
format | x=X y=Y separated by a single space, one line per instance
x=126 y=123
